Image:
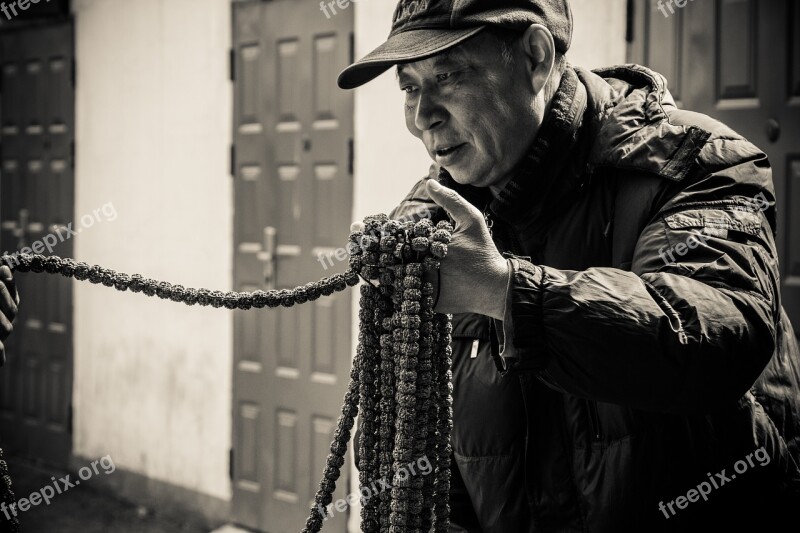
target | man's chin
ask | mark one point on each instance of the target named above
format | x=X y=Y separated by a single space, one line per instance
x=465 y=177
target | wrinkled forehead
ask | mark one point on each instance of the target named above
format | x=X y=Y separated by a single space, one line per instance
x=468 y=52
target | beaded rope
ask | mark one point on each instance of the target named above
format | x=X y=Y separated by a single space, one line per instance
x=178 y=293
x=400 y=379
x=401 y=382
x=12 y=524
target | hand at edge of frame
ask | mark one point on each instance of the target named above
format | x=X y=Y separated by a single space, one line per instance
x=9 y=306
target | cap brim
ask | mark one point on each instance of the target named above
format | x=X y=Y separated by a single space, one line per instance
x=405 y=47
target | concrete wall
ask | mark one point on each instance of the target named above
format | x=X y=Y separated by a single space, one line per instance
x=598 y=38
x=153 y=378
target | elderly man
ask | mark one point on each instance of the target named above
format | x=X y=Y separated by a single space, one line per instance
x=614 y=259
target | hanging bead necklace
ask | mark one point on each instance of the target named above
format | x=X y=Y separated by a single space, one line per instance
x=401 y=378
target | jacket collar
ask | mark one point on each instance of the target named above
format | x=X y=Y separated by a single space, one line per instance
x=550 y=174
x=615 y=118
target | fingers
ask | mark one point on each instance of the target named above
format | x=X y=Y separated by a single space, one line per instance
x=5 y=327
x=7 y=277
x=8 y=293
x=9 y=298
x=461 y=211
x=8 y=305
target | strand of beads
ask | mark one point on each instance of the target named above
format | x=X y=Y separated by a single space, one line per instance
x=404 y=501
x=178 y=293
x=372 y=311
x=444 y=385
x=403 y=364
x=387 y=421
x=335 y=460
x=11 y=525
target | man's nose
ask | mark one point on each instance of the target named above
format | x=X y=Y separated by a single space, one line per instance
x=430 y=113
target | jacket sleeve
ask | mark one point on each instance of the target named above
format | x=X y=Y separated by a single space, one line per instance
x=690 y=327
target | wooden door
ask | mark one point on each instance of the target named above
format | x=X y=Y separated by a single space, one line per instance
x=293 y=200
x=36 y=200
x=739 y=62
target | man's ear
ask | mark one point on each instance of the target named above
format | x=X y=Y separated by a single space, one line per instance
x=540 y=53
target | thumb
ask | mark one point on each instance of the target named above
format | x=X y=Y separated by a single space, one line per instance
x=461 y=211
x=7 y=278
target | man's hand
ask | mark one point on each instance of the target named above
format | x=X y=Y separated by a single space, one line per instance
x=474 y=276
x=9 y=301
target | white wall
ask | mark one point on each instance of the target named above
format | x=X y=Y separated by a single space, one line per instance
x=153 y=378
x=598 y=37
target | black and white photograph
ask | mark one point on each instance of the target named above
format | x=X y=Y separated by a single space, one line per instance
x=399 y=266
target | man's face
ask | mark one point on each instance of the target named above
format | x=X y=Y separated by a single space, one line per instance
x=474 y=113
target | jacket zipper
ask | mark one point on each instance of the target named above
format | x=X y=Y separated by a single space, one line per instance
x=488 y=220
x=515 y=247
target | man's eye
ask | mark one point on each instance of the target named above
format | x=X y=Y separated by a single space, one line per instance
x=443 y=77
x=408 y=89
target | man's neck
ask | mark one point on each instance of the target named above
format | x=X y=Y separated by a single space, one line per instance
x=497 y=187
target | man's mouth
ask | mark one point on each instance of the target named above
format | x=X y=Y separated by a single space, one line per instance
x=447 y=150
x=448 y=155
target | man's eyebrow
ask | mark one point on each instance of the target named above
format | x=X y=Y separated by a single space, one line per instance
x=446 y=57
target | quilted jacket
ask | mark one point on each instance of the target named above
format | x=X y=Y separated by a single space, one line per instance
x=649 y=352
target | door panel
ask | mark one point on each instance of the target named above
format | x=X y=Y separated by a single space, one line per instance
x=739 y=62
x=292 y=133
x=36 y=197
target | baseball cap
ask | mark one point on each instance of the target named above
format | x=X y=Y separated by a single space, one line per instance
x=423 y=28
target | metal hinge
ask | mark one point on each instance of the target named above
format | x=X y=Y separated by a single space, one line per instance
x=232 y=64
x=350 y=156
x=352 y=48
x=629 y=23
x=233 y=161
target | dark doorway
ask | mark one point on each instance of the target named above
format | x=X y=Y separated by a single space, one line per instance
x=37 y=102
